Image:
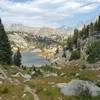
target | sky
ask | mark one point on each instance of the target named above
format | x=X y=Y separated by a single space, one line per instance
x=48 y=13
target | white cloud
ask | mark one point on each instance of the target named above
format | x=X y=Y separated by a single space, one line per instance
x=44 y=11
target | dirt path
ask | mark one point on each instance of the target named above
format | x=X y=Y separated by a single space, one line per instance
x=32 y=91
x=3 y=73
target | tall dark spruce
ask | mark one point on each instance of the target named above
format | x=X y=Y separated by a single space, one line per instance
x=17 y=58
x=5 y=48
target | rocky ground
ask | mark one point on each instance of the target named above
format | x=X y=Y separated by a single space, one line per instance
x=48 y=83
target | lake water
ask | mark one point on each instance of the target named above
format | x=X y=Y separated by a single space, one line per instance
x=29 y=59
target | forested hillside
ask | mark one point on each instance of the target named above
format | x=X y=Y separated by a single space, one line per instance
x=85 y=41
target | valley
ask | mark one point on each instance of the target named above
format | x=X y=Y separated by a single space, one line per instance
x=50 y=63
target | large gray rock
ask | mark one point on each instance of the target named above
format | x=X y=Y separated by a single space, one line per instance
x=75 y=87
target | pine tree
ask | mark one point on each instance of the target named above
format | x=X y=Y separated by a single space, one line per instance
x=70 y=43
x=98 y=27
x=85 y=32
x=75 y=37
x=5 y=48
x=91 y=29
x=93 y=52
x=17 y=58
x=95 y=26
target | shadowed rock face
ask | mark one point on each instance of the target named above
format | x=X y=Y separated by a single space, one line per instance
x=75 y=87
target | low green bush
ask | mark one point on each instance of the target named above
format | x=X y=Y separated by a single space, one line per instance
x=4 y=89
x=75 y=55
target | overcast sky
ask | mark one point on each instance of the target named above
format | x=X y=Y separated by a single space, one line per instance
x=53 y=13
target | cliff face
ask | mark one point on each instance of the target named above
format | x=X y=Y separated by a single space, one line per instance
x=43 y=31
x=17 y=40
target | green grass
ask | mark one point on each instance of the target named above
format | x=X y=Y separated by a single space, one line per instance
x=45 y=91
x=48 y=93
x=9 y=91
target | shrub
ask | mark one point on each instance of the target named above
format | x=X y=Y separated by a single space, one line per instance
x=84 y=66
x=98 y=83
x=75 y=55
x=4 y=89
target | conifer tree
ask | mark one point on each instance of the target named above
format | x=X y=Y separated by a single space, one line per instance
x=70 y=43
x=5 y=48
x=75 y=37
x=98 y=27
x=95 y=26
x=17 y=58
x=91 y=29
